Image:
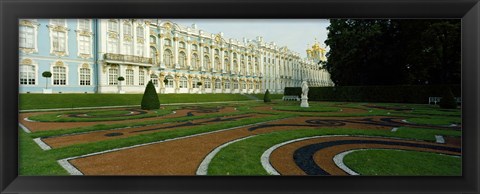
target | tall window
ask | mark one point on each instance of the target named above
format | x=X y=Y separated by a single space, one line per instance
x=127 y=29
x=27 y=75
x=194 y=83
x=218 y=66
x=183 y=82
x=140 y=32
x=59 y=41
x=84 y=76
x=182 y=59
x=84 y=24
x=112 y=26
x=84 y=44
x=27 y=37
x=141 y=77
x=112 y=45
x=59 y=76
x=206 y=62
x=169 y=82
x=168 y=42
x=182 y=45
x=227 y=84
x=235 y=64
x=153 y=40
x=218 y=84
x=127 y=47
x=227 y=65
x=235 y=85
x=194 y=47
x=194 y=61
x=208 y=83
x=139 y=49
x=154 y=79
x=153 y=55
x=205 y=50
x=244 y=85
x=129 y=77
x=113 y=76
x=168 y=58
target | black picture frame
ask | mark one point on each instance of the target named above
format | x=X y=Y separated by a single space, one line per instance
x=11 y=11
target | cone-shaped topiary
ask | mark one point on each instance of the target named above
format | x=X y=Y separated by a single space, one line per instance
x=150 y=98
x=448 y=100
x=266 y=97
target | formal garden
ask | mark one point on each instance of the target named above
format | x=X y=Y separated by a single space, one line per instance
x=267 y=136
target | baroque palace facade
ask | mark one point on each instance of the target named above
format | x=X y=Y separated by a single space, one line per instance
x=89 y=55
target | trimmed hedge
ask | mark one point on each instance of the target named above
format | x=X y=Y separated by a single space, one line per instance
x=397 y=94
x=150 y=98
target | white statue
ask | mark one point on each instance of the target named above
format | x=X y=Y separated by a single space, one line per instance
x=304 y=94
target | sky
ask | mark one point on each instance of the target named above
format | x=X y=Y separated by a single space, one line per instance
x=296 y=34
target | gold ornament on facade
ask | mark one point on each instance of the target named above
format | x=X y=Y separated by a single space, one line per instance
x=127 y=38
x=140 y=40
x=26 y=23
x=59 y=63
x=84 y=56
x=27 y=50
x=85 y=65
x=26 y=62
x=113 y=35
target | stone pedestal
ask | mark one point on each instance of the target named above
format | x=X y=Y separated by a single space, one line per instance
x=304 y=103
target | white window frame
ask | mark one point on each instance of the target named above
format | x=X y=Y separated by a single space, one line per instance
x=54 y=74
x=183 y=82
x=113 y=73
x=82 y=76
x=27 y=36
x=85 y=42
x=87 y=27
x=28 y=73
x=141 y=77
x=129 y=77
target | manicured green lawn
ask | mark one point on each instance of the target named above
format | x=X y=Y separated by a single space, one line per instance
x=436 y=120
x=272 y=96
x=101 y=115
x=243 y=157
x=49 y=101
x=403 y=163
x=312 y=108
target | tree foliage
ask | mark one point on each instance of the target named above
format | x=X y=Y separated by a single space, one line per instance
x=266 y=97
x=448 y=100
x=393 y=52
x=150 y=98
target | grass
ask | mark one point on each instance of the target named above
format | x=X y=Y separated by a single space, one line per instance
x=312 y=108
x=101 y=115
x=272 y=96
x=400 y=163
x=30 y=152
x=49 y=101
x=436 y=120
x=243 y=157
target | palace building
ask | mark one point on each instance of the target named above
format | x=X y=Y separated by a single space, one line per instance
x=89 y=56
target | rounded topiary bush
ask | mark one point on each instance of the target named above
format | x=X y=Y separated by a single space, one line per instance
x=448 y=100
x=150 y=98
x=266 y=97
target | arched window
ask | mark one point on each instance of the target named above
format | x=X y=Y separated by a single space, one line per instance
x=244 y=85
x=194 y=83
x=182 y=45
x=194 y=47
x=59 y=75
x=85 y=76
x=235 y=84
x=208 y=83
x=243 y=68
x=206 y=62
x=183 y=82
x=182 y=59
x=27 y=75
x=168 y=58
x=235 y=64
x=153 y=40
x=205 y=50
x=194 y=61
x=227 y=84
x=217 y=52
x=227 y=65
x=153 y=55
x=218 y=66
x=129 y=77
x=154 y=79
x=169 y=81
x=168 y=42
x=218 y=84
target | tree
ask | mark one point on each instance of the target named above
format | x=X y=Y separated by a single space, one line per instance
x=46 y=74
x=393 y=52
x=199 y=83
x=448 y=100
x=120 y=79
x=266 y=97
x=150 y=98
